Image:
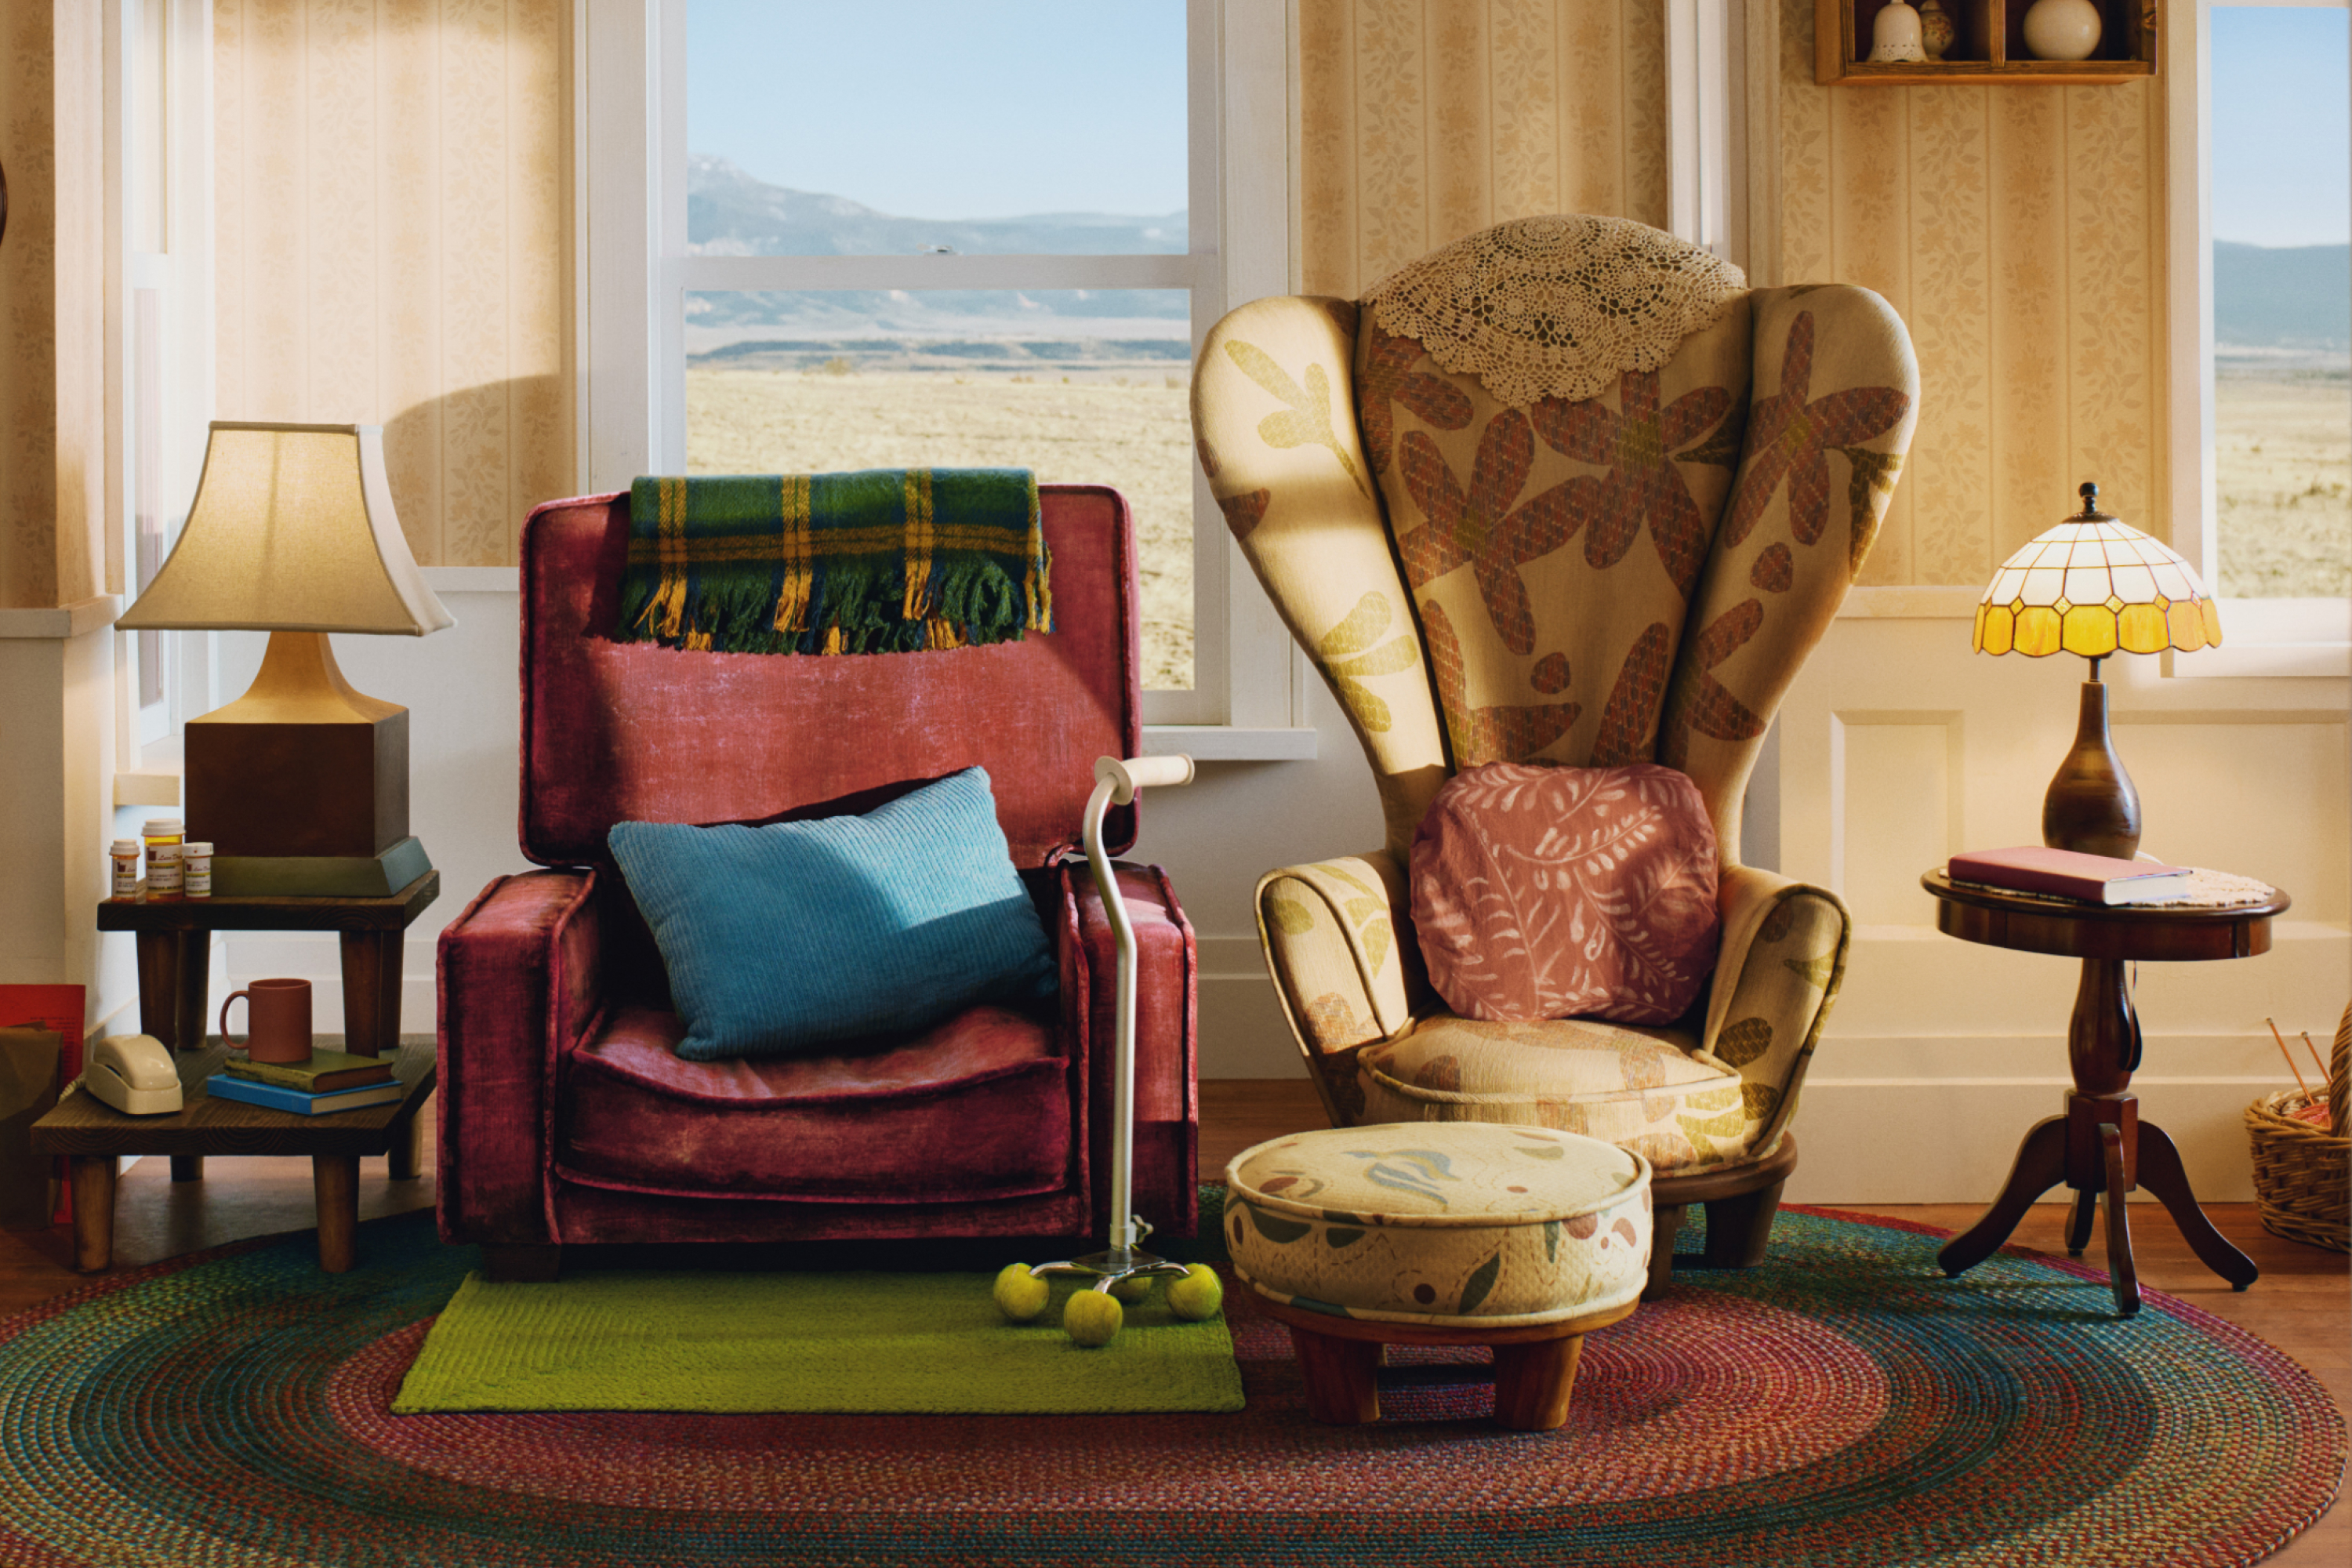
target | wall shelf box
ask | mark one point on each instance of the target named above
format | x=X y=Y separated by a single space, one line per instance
x=1991 y=47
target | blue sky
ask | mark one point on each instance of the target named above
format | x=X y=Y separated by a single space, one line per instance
x=947 y=109
x=952 y=108
x=2281 y=140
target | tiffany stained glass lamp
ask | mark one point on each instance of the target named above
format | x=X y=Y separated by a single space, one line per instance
x=2094 y=587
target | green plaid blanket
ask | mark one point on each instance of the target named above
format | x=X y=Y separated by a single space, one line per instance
x=881 y=560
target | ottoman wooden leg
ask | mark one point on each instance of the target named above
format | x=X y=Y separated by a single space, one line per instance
x=1533 y=1381
x=1340 y=1390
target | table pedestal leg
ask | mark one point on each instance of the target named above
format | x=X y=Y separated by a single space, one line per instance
x=2121 y=1277
x=2161 y=1173
x=93 y=1216
x=2078 y=1222
x=335 y=1181
x=2041 y=1165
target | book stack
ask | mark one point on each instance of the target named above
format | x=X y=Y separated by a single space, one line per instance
x=329 y=1081
x=2067 y=874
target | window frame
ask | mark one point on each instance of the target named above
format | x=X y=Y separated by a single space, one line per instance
x=167 y=351
x=2263 y=638
x=1249 y=691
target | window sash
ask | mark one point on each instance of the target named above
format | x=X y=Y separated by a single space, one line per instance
x=1249 y=684
x=2297 y=636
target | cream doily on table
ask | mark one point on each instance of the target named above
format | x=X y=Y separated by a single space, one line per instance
x=1556 y=306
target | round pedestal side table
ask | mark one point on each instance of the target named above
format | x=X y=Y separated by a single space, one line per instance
x=2100 y=1145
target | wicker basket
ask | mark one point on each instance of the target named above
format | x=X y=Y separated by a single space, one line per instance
x=2303 y=1173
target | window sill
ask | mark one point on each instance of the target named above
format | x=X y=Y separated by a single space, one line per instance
x=1230 y=743
x=155 y=781
x=65 y=622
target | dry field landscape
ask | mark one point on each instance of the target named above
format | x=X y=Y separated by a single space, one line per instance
x=2284 y=440
x=2285 y=460
x=1133 y=432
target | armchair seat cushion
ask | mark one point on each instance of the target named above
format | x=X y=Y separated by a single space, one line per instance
x=975 y=1108
x=1644 y=1089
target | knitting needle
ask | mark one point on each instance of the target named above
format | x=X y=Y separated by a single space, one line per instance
x=2314 y=1055
x=2290 y=1058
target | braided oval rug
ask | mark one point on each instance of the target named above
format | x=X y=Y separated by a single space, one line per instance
x=1845 y=1404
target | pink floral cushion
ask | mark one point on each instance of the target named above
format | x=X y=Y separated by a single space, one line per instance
x=1547 y=893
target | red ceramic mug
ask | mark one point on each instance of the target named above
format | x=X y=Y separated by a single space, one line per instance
x=277 y=1020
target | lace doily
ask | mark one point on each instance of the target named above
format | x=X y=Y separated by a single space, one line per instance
x=1556 y=306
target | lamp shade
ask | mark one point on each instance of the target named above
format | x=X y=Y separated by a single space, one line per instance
x=2094 y=586
x=292 y=529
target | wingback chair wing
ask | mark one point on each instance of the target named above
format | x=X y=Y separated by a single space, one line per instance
x=1632 y=573
x=566 y=1116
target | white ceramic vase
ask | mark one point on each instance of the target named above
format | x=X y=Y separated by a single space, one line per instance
x=1895 y=35
x=2062 y=29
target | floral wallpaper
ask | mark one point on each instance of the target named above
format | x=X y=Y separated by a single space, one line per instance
x=52 y=267
x=392 y=232
x=1422 y=120
x=2019 y=231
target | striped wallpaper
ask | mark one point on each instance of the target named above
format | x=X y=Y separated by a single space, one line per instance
x=392 y=201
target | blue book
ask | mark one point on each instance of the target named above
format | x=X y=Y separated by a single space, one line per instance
x=252 y=1091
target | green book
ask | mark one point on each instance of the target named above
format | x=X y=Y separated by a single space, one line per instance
x=325 y=1070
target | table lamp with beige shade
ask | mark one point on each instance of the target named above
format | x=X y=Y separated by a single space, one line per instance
x=302 y=784
x=2094 y=587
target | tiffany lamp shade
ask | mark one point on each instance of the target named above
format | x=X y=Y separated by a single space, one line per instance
x=2094 y=587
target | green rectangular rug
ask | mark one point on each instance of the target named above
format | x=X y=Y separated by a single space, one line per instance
x=864 y=1342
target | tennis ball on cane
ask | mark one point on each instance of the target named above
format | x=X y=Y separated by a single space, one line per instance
x=1092 y=1318
x=1136 y=1287
x=1020 y=1295
x=1196 y=1296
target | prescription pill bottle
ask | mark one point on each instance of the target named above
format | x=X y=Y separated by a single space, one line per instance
x=161 y=834
x=126 y=854
x=196 y=870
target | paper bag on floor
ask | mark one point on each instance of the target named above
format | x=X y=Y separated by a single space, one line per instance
x=29 y=1059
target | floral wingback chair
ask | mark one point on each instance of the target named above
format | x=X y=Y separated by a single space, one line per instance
x=1565 y=491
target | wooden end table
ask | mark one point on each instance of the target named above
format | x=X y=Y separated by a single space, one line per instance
x=94 y=1134
x=2100 y=1145
x=174 y=938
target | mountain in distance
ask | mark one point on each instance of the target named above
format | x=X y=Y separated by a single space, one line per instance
x=730 y=213
x=2288 y=297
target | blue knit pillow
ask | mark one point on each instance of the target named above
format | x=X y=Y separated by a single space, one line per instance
x=785 y=939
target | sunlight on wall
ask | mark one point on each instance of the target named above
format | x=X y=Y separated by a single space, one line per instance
x=390 y=184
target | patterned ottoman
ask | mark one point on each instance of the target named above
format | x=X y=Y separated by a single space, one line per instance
x=1440 y=1233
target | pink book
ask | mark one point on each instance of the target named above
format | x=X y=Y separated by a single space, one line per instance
x=2068 y=874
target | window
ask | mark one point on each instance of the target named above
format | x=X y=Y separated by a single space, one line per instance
x=861 y=273
x=158 y=318
x=2260 y=154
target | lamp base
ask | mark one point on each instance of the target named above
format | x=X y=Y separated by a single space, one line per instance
x=320 y=876
x=2091 y=806
x=300 y=766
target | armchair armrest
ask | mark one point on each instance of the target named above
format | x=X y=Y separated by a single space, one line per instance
x=519 y=983
x=1782 y=959
x=1338 y=936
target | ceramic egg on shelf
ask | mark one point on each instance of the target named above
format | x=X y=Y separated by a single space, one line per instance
x=1895 y=35
x=1937 y=30
x=2062 y=29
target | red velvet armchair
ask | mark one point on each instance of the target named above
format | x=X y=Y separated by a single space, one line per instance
x=565 y=1116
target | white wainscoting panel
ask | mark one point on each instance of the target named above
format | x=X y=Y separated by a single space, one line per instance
x=1898 y=746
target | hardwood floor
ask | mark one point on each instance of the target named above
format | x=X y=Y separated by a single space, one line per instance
x=2301 y=1304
